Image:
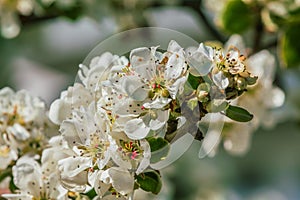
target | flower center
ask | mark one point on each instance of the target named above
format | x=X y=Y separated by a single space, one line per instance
x=96 y=148
x=131 y=149
x=14 y=117
x=158 y=88
x=4 y=151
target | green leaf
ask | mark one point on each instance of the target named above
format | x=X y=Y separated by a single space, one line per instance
x=238 y=114
x=159 y=148
x=91 y=194
x=150 y=182
x=290 y=46
x=194 y=81
x=236 y=16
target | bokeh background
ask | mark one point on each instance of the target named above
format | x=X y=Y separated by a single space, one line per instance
x=44 y=57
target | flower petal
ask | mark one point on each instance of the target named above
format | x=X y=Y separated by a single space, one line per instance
x=143 y=62
x=201 y=60
x=27 y=175
x=145 y=162
x=136 y=129
x=158 y=103
x=175 y=66
x=120 y=179
x=134 y=88
x=72 y=166
x=220 y=80
x=176 y=87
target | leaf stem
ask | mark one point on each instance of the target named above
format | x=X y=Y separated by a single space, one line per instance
x=5 y=173
x=259 y=31
x=197 y=7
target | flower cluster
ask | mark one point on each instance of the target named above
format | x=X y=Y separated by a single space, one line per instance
x=12 y=11
x=121 y=119
x=261 y=100
x=23 y=126
x=124 y=110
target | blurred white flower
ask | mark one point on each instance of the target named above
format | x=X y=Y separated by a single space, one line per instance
x=260 y=99
x=23 y=125
x=33 y=183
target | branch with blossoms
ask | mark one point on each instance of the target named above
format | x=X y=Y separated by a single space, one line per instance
x=118 y=122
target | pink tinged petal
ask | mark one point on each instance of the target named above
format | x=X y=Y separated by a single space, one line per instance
x=120 y=179
x=201 y=60
x=143 y=62
x=134 y=88
x=220 y=80
x=136 y=129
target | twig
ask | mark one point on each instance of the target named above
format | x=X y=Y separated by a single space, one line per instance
x=197 y=7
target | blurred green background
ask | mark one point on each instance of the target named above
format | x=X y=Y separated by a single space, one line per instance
x=44 y=59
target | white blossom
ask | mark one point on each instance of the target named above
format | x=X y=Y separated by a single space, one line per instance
x=33 y=184
x=23 y=125
x=260 y=99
